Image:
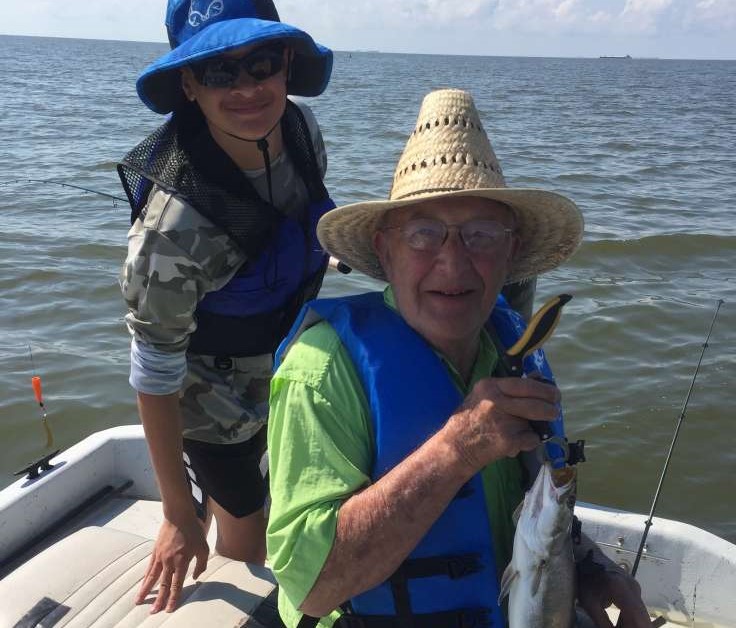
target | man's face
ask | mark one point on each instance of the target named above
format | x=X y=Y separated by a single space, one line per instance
x=447 y=295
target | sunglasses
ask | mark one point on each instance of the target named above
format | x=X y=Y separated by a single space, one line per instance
x=480 y=237
x=261 y=64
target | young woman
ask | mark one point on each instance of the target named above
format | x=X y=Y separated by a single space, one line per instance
x=225 y=197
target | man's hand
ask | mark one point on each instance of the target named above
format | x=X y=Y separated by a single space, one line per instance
x=493 y=423
x=613 y=585
x=175 y=547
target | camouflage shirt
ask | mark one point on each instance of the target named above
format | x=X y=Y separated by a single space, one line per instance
x=175 y=257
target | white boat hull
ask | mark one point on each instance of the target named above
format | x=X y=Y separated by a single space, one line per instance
x=687 y=575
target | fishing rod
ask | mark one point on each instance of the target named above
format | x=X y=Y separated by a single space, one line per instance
x=64 y=184
x=648 y=523
x=335 y=264
x=538 y=330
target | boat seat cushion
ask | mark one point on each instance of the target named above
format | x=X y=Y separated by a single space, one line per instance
x=90 y=579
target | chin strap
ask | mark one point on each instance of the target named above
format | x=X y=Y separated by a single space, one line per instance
x=263 y=147
x=262 y=144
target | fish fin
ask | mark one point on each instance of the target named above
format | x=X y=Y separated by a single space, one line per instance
x=517 y=513
x=538 y=576
x=509 y=575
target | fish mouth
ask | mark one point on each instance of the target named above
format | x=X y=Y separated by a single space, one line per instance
x=562 y=477
x=563 y=485
x=557 y=485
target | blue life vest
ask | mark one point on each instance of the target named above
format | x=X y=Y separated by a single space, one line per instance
x=254 y=310
x=451 y=576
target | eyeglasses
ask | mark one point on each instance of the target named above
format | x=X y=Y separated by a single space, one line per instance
x=480 y=237
x=261 y=64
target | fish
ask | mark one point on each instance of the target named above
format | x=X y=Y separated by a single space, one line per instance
x=540 y=579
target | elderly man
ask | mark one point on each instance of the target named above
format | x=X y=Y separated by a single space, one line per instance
x=394 y=437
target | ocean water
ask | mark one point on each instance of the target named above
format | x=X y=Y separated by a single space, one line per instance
x=645 y=147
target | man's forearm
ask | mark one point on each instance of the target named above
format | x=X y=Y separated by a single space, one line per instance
x=161 y=420
x=380 y=526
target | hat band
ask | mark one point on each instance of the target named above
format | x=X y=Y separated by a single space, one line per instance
x=428 y=191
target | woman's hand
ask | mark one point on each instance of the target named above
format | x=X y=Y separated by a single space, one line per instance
x=175 y=548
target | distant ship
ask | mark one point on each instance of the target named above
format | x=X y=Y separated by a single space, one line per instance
x=614 y=57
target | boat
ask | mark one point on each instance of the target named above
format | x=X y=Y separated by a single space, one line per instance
x=77 y=530
x=615 y=57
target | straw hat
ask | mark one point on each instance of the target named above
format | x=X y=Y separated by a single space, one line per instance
x=199 y=29
x=448 y=154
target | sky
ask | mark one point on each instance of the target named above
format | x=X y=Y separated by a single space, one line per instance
x=690 y=29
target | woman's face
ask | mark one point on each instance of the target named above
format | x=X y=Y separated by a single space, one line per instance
x=248 y=108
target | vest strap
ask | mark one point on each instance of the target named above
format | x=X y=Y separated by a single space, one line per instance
x=453 y=567
x=465 y=618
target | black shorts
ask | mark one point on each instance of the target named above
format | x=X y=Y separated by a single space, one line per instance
x=229 y=474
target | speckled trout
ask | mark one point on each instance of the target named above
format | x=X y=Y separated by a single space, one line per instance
x=540 y=579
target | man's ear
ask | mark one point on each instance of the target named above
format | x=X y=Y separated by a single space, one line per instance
x=381 y=248
x=515 y=247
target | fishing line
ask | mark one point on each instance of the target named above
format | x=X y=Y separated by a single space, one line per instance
x=648 y=523
x=63 y=184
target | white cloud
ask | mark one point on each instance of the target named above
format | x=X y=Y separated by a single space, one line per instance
x=395 y=13
x=539 y=27
x=714 y=14
x=102 y=19
x=644 y=15
x=539 y=16
x=448 y=11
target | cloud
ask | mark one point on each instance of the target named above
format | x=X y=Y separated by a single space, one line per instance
x=448 y=11
x=104 y=19
x=536 y=27
x=394 y=13
x=526 y=27
x=714 y=15
x=538 y=16
x=644 y=15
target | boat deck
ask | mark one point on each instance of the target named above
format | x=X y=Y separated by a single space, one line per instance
x=87 y=572
x=75 y=543
x=127 y=527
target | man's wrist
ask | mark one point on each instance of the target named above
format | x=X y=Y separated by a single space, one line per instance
x=459 y=456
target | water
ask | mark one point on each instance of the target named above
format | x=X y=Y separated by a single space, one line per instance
x=644 y=146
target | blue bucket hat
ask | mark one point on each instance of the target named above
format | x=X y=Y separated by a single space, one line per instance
x=199 y=29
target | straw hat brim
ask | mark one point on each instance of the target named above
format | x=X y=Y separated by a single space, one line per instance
x=549 y=226
x=159 y=85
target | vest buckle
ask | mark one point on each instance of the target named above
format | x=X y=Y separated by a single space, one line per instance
x=462 y=566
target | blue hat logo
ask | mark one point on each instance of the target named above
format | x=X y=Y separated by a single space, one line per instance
x=196 y=18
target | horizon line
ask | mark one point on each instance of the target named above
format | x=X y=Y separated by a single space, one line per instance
x=391 y=52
